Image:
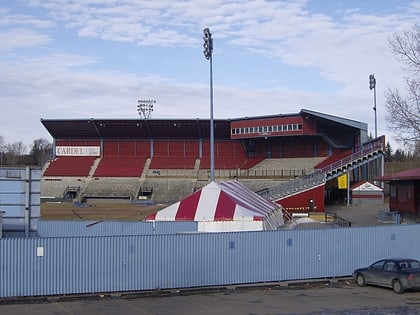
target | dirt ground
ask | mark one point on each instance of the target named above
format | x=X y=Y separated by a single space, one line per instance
x=98 y=211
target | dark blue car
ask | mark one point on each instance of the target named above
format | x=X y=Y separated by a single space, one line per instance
x=399 y=274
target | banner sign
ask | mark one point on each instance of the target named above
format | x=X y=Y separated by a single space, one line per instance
x=342 y=181
x=77 y=151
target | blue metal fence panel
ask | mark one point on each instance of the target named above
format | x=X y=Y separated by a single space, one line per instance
x=20 y=189
x=67 y=265
x=112 y=228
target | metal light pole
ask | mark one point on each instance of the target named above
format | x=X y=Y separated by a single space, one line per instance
x=372 y=85
x=208 y=53
x=145 y=108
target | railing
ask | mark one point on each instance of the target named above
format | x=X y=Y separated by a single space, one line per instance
x=293 y=186
x=374 y=146
x=320 y=176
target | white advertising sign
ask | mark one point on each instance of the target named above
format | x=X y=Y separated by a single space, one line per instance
x=77 y=151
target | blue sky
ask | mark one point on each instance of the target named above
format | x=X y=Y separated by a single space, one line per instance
x=92 y=58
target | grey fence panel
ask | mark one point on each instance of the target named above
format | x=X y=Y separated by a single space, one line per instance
x=111 y=228
x=67 y=265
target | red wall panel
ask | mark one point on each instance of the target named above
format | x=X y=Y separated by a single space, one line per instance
x=300 y=202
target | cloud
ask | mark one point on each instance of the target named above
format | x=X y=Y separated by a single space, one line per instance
x=81 y=59
x=21 y=38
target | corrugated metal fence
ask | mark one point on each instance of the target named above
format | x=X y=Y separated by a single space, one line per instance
x=112 y=228
x=67 y=265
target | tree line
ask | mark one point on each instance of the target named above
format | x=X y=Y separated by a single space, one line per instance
x=12 y=154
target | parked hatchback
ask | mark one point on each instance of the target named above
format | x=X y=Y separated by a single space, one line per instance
x=399 y=274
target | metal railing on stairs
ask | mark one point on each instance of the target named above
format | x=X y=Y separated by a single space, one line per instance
x=366 y=154
x=293 y=186
x=320 y=176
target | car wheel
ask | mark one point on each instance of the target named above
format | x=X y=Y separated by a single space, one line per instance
x=397 y=287
x=360 y=280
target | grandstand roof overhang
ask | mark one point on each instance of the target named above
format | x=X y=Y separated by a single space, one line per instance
x=135 y=128
x=170 y=128
x=339 y=120
x=316 y=115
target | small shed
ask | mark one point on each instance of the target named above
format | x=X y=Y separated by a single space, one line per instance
x=404 y=191
x=366 y=193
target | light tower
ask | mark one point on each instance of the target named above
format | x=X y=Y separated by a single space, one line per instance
x=372 y=86
x=208 y=53
x=145 y=108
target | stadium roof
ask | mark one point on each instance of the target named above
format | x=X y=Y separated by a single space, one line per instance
x=339 y=120
x=320 y=116
x=93 y=128
x=135 y=128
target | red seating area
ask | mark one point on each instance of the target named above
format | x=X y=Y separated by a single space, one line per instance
x=333 y=158
x=175 y=162
x=167 y=155
x=228 y=155
x=70 y=166
x=120 y=166
x=176 y=148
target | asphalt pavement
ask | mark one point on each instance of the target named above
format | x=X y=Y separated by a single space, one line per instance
x=368 y=214
x=325 y=297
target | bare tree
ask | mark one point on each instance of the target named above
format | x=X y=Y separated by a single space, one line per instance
x=14 y=151
x=403 y=115
x=41 y=151
x=2 y=150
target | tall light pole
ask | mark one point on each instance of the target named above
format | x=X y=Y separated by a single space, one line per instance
x=145 y=108
x=208 y=53
x=372 y=85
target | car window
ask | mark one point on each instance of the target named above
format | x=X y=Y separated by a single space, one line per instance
x=378 y=265
x=390 y=266
x=410 y=264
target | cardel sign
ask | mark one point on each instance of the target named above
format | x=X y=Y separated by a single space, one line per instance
x=77 y=151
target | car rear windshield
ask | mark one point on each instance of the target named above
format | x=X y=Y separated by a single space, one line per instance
x=410 y=264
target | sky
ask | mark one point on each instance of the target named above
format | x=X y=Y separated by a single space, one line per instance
x=81 y=59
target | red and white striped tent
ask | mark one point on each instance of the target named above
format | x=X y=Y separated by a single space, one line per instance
x=224 y=206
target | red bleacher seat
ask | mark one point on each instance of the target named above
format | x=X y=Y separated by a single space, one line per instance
x=115 y=166
x=70 y=166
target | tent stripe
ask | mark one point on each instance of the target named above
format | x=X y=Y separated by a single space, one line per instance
x=207 y=204
x=187 y=207
x=225 y=208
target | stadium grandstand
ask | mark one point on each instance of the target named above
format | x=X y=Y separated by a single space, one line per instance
x=293 y=159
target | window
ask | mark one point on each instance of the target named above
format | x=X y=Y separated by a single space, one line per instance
x=389 y=266
x=378 y=265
